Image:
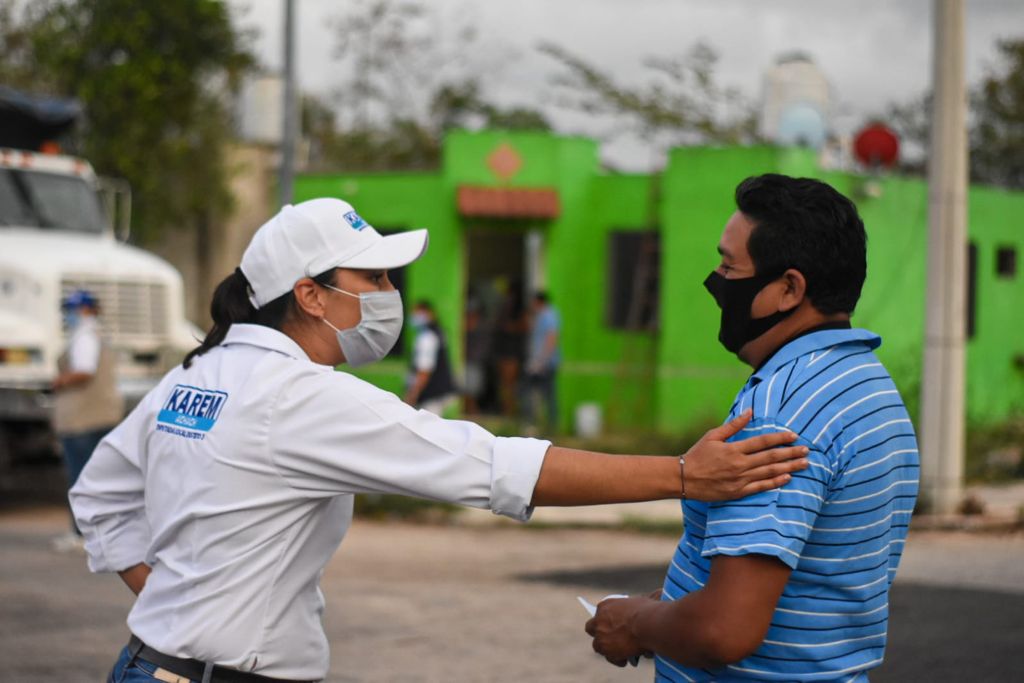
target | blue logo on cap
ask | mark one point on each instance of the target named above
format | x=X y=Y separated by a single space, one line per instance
x=355 y=221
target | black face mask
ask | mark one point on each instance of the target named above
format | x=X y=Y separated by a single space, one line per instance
x=735 y=297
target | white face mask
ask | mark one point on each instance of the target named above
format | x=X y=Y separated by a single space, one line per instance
x=378 y=329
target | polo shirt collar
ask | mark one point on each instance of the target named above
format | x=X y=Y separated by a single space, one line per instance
x=809 y=343
x=265 y=338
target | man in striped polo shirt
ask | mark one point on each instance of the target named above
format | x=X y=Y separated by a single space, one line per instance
x=790 y=584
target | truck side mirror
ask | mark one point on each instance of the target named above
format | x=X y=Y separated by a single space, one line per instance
x=116 y=197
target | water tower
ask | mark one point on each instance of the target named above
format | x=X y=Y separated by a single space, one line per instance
x=797 y=103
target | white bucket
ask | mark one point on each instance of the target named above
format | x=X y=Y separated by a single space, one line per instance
x=589 y=420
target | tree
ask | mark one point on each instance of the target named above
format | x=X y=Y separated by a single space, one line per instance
x=997 y=133
x=680 y=103
x=912 y=122
x=402 y=87
x=151 y=77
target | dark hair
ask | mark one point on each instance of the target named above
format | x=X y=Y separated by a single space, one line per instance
x=230 y=305
x=804 y=224
x=425 y=305
x=541 y=296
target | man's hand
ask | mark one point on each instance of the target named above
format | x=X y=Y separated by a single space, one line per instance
x=720 y=624
x=716 y=470
x=610 y=628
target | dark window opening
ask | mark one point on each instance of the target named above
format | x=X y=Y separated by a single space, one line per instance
x=634 y=260
x=1006 y=262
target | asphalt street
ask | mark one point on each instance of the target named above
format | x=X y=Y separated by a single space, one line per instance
x=477 y=603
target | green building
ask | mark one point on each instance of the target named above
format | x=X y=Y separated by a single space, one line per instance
x=623 y=258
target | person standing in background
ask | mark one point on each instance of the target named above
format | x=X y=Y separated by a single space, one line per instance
x=509 y=347
x=431 y=386
x=478 y=349
x=542 y=363
x=87 y=404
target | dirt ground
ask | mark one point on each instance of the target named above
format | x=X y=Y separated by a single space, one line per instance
x=497 y=603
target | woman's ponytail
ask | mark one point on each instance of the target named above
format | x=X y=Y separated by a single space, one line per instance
x=230 y=305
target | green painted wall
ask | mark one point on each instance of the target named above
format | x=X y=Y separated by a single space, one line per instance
x=995 y=356
x=697 y=376
x=680 y=378
x=895 y=214
x=593 y=204
x=603 y=364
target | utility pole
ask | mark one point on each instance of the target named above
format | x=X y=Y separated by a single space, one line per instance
x=290 y=118
x=942 y=386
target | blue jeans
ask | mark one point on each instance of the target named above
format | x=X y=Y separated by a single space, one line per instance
x=77 y=448
x=127 y=671
x=540 y=388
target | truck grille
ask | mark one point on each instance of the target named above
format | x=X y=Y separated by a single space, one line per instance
x=129 y=311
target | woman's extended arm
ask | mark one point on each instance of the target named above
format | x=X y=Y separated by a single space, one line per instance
x=714 y=470
x=135 y=577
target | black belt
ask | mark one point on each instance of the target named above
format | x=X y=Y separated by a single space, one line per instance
x=197 y=670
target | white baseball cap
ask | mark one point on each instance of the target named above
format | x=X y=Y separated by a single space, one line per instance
x=312 y=237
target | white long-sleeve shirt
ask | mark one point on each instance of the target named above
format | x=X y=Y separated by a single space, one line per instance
x=233 y=480
x=424 y=350
x=84 y=346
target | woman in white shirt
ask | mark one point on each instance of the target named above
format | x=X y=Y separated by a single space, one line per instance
x=221 y=497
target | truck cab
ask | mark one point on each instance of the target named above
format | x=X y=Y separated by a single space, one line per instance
x=55 y=237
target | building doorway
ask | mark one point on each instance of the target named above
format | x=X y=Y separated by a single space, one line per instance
x=505 y=266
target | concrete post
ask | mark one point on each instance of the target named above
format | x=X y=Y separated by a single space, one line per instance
x=942 y=386
x=290 y=106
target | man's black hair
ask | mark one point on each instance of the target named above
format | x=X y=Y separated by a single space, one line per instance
x=541 y=296
x=804 y=224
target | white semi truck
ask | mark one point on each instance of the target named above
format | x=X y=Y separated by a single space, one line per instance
x=57 y=234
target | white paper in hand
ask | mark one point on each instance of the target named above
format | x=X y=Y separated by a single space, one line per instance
x=587 y=605
x=592 y=610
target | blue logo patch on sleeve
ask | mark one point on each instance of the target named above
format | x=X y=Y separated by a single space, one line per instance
x=355 y=221
x=190 y=411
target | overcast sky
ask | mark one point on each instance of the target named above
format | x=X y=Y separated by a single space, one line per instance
x=872 y=51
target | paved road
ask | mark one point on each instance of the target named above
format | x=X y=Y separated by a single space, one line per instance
x=456 y=603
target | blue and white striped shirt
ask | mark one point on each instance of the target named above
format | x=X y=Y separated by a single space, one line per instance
x=840 y=524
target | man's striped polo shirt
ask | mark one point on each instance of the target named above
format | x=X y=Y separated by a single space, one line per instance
x=840 y=524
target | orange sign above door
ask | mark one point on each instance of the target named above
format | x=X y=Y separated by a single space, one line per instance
x=508 y=202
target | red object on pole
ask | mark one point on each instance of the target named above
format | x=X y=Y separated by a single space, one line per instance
x=876 y=145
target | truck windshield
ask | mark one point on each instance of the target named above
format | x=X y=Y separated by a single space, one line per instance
x=49 y=201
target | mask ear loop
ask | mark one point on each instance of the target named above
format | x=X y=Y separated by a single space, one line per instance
x=336 y=290
x=355 y=296
x=326 y=322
